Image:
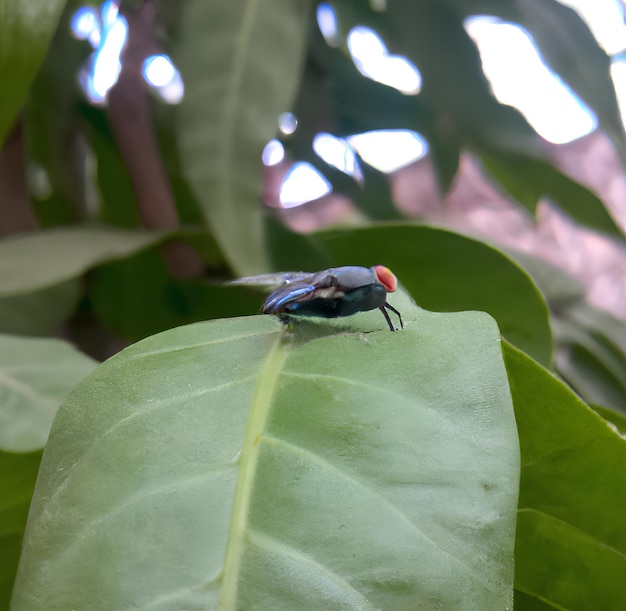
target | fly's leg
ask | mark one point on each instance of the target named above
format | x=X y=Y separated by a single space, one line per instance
x=391 y=327
x=390 y=307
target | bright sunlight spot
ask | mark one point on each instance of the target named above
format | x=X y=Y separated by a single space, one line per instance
x=107 y=32
x=85 y=25
x=287 y=123
x=327 y=23
x=389 y=150
x=302 y=184
x=519 y=78
x=273 y=153
x=371 y=58
x=160 y=72
x=605 y=19
x=338 y=153
x=106 y=62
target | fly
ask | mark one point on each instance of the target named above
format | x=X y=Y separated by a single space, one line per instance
x=331 y=293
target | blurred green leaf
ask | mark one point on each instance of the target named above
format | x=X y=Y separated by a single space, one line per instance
x=363 y=105
x=570 y=549
x=294 y=251
x=40 y=313
x=461 y=105
x=57 y=151
x=18 y=473
x=529 y=179
x=238 y=464
x=443 y=271
x=35 y=376
x=559 y=288
x=590 y=343
x=24 y=40
x=375 y=199
x=40 y=259
x=241 y=63
x=600 y=323
x=591 y=365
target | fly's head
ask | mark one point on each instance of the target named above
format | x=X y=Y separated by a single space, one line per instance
x=386 y=277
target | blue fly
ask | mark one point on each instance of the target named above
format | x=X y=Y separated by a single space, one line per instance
x=330 y=293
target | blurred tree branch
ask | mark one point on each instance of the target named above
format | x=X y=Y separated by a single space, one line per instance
x=16 y=210
x=129 y=113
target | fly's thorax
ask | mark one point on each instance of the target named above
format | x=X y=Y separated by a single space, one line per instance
x=346 y=278
x=361 y=299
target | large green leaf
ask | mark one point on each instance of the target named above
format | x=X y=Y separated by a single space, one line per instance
x=26 y=28
x=18 y=473
x=238 y=464
x=442 y=270
x=35 y=376
x=241 y=62
x=40 y=259
x=570 y=549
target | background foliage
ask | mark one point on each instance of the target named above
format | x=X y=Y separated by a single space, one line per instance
x=120 y=222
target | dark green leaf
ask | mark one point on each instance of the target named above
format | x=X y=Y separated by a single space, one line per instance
x=17 y=481
x=570 y=549
x=235 y=465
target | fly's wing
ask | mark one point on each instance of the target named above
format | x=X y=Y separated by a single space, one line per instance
x=272 y=281
x=298 y=292
x=282 y=297
x=327 y=285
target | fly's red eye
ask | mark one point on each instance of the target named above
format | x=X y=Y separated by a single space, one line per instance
x=386 y=278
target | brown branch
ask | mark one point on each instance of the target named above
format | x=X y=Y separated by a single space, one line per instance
x=16 y=210
x=130 y=118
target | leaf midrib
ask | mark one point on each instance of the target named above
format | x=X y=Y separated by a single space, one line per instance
x=259 y=411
